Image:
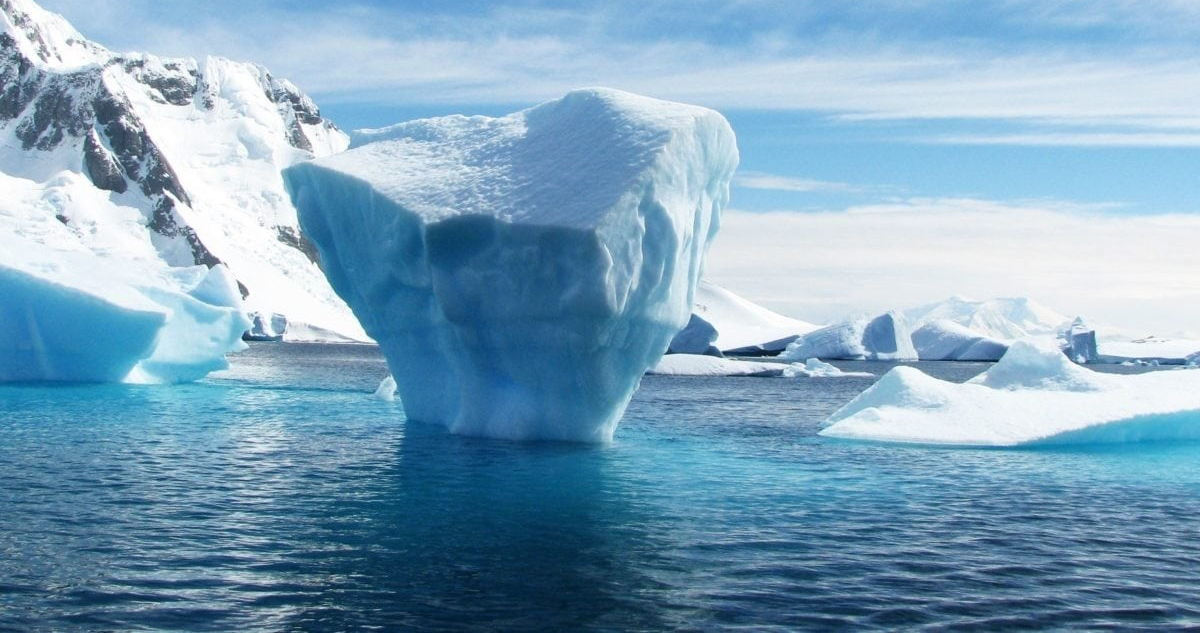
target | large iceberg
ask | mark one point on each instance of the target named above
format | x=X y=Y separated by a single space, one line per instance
x=1034 y=395
x=885 y=337
x=723 y=322
x=72 y=316
x=522 y=273
x=943 y=339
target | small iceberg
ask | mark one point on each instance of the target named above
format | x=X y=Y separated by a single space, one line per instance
x=885 y=337
x=1033 y=396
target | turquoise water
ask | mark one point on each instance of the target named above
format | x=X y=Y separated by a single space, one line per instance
x=281 y=495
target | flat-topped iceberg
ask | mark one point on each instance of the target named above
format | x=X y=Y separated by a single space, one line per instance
x=1034 y=395
x=885 y=337
x=522 y=273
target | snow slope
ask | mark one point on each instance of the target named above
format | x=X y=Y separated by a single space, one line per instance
x=192 y=148
x=885 y=337
x=1032 y=396
x=741 y=327
x=521 y=273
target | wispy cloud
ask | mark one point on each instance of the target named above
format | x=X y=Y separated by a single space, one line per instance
x=1077 y=139
x=1019 y=60
x=773 y=182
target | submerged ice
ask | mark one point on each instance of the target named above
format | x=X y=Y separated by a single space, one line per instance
x=522 y=273
x=1034 y=395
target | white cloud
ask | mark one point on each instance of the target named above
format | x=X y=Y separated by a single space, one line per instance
x=1135 y=271
x=507 y=55
x=1076 y=139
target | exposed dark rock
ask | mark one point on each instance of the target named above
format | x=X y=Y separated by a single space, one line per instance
x=19 y=80
x=139 y=157
x=176 y=87
x=100 y=165
x=59 y=110
x=166 y=222
x=298 y=241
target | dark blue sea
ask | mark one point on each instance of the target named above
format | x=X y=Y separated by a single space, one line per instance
x=282 y=495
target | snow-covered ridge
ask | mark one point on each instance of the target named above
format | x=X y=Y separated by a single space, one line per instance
x=193 y=148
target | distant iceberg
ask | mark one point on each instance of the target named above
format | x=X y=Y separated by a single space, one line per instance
x=885 y=337
x=943 y=339
x=700 y=365
x=1034 y=395
x=1164 y=351
x=1078 y=341
x=522 y=273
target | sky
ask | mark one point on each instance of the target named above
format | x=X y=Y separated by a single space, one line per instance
x=893 y=153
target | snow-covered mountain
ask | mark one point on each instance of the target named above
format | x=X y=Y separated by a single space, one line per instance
x=159 y=163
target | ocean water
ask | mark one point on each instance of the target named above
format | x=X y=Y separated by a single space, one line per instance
x=281 y=495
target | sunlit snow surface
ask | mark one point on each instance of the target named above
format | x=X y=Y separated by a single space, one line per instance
x=1032 y=396
x=521 y=273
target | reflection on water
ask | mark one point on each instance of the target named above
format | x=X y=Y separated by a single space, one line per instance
x=280 y=494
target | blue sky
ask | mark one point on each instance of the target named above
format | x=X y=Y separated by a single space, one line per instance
x=1064 y=134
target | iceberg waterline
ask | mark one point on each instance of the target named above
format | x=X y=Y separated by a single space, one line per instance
x=521 y=273
x=1034 y=395
x=707 y=365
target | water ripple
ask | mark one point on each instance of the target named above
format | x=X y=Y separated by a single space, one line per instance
x=280 y=495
